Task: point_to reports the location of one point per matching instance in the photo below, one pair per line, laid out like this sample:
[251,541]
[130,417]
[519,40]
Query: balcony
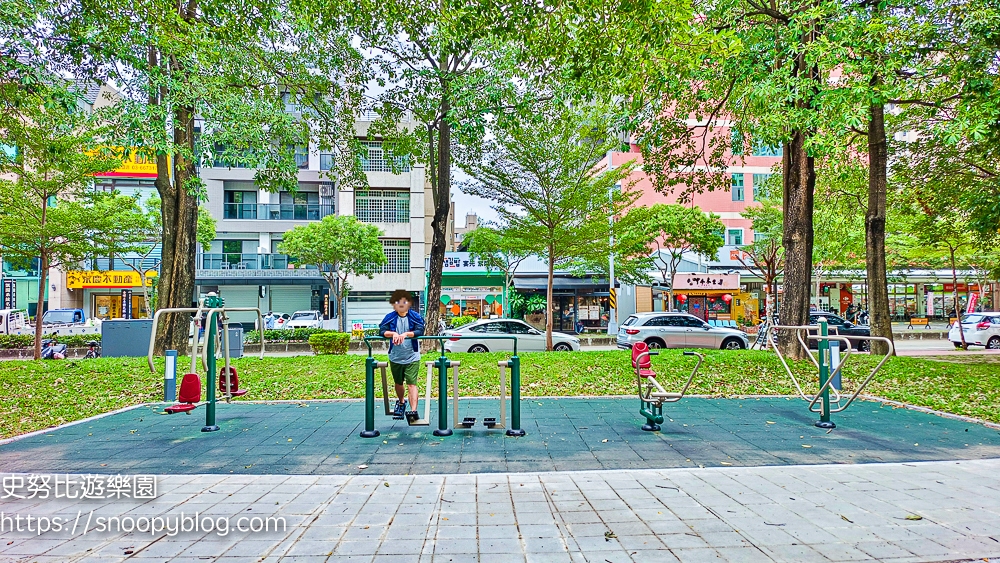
[242,268]
[277,211]
[237,261]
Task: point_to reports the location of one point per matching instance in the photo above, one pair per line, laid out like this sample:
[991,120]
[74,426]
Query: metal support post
[210,334]
[824,374]
[515,396]
[442,367]
[170,376]
[369,431]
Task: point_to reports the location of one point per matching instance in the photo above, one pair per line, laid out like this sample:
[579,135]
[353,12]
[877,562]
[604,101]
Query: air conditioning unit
[326,190]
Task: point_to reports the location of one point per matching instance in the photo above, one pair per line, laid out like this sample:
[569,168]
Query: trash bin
[236,342]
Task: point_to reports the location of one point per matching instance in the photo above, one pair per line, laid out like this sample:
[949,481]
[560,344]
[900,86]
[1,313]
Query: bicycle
[93,349]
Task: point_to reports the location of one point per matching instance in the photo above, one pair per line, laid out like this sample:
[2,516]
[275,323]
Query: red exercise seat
[234,382]
[189,395]
[642,365]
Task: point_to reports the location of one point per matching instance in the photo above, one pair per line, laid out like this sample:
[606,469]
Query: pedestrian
[402,326]
[269,321]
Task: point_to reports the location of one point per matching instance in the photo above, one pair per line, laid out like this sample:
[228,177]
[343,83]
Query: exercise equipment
[489,422]
[821,402]
[425,421]
[652,395]
[212,310]
[441,365]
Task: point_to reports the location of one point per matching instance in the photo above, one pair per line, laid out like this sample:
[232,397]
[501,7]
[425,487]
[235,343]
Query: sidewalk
[912,512]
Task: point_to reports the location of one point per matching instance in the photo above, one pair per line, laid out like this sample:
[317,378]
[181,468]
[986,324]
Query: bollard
[442,366]
[824,375]
[369,431]
[515,397]
[170,377]
[210,334]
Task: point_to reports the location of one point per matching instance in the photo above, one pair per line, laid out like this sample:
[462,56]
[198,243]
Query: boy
[403,325]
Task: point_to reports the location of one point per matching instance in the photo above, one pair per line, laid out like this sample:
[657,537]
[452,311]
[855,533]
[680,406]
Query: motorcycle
[52,350]
[93,349]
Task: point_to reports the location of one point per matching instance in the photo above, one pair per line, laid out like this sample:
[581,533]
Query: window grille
[382,206]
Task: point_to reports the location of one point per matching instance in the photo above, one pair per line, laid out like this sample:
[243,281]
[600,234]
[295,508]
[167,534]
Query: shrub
[329,342]
[11,341]
[16,341]
[283,335]
[462,321]
[371,332]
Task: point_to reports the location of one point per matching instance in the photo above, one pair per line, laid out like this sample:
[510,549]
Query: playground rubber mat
[321,437]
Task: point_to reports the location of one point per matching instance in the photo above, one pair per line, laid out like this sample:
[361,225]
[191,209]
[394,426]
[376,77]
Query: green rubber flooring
[321,437]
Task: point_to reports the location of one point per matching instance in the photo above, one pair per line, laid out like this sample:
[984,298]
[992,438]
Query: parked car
[529,339]
[304,319]
[981,329]
[678,330]
[841,327]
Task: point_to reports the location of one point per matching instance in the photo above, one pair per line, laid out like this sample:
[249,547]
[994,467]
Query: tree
[676,230]
[543,173]
[499,251]
[340,246]
[764,256]
[43,209]
[210,80]
[448,66]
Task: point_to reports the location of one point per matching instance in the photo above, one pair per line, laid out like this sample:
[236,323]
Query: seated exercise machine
[829,374]
[652,395]
[212,311]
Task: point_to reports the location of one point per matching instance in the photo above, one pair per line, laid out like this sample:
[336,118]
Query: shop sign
[469,293]
[961,287]
[708,282]
[462,261]
[137,164]
[357,328]
[76,279]
[9,294]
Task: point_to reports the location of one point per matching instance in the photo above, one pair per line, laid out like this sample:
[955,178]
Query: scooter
[52,350]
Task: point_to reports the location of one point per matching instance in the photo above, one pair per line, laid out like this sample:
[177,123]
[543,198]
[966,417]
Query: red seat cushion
[190,391]
[638,349]
[183,407]
[239,393]
[234,381]
[647,373]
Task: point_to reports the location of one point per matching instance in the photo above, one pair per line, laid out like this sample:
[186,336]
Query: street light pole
[613,298]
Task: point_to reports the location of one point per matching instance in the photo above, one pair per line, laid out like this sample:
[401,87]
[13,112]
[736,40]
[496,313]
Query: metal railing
[238,261]
[277,211]
[382,206]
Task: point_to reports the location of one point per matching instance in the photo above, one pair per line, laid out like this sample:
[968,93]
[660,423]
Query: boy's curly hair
[400,294]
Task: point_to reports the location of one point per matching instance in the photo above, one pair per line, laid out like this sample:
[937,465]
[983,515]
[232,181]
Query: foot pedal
[397,417]
[468,422]
[489,422]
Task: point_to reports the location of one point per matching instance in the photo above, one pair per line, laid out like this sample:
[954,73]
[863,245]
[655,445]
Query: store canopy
[586,282]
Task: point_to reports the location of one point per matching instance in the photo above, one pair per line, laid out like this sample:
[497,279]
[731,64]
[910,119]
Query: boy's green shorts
[407,372]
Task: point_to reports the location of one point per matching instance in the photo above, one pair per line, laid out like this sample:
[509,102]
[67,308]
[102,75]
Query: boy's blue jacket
[416,326]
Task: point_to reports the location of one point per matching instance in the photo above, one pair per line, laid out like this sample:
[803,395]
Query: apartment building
[245,266]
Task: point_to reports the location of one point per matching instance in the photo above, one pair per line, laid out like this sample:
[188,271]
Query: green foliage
[206,223]
[677,229]
[330,342]
[462,321]
[535,303]
[340,246]
[9,341]
[12,341]
[283,335]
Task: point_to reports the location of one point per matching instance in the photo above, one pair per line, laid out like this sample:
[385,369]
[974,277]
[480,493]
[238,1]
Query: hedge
[283,335]
[329,342]
[12,341]
[462,321]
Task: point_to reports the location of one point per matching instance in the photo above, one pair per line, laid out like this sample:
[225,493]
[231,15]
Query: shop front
[579,304]
[115,294]
[469,289]
[714,297]
[940,299]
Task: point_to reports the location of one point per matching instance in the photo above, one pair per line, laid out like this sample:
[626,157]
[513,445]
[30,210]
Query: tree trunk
[548,300]
[439,226]
[43,271]
[875,215]
[179,209]
[799,179]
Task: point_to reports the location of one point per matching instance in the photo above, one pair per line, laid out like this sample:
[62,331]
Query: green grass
[37,395]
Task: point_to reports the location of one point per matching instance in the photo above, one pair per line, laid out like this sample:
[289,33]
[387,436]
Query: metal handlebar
[368,340]
[156,320]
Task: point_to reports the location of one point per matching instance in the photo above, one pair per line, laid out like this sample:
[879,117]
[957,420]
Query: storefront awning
[561,283]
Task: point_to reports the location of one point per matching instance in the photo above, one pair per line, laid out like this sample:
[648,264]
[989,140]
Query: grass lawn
[38,395]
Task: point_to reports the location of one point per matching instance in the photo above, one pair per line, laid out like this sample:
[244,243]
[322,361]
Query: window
[326,161]
[382,206]
[375,161]
[239,205]
[758,182]
[761,149]
[737,187]
[734,237]
[691,322]
[496,328]
[517,328]
[397,255]
[301,155]
[663,321]
[757,237]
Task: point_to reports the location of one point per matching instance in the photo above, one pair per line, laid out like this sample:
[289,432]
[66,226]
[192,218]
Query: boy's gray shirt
[403,354]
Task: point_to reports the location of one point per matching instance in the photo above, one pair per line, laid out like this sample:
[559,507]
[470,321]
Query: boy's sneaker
[397,413]
[412,416]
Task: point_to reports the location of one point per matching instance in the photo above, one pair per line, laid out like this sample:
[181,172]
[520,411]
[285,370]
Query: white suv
[678,330]
[981,329]
[304,319]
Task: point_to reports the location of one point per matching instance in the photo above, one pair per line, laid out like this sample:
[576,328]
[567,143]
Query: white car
[304,319]
[529,339]
[981,329]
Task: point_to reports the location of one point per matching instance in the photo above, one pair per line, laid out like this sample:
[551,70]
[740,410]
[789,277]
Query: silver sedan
[529,339]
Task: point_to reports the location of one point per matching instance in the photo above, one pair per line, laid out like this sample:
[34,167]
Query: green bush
[371,332]
[462,321]
[283,335]
[11,341]
[329,342]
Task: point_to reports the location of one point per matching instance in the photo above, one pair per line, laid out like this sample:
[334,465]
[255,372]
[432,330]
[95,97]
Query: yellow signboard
[136,164]
[76,279]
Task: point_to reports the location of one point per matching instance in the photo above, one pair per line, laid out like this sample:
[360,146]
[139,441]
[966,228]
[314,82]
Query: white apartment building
[245,267]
